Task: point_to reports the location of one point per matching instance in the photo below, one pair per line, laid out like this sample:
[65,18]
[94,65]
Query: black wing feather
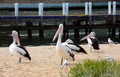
[95,43]
[81,49]
[27,54]
[72,55]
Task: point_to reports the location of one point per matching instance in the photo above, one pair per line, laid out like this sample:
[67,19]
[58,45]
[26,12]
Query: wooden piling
[40,30]
[76,35]
[114,24]
[109,32]
[113,32]
[90,23]
[29,24]
[65,31]
[119,32]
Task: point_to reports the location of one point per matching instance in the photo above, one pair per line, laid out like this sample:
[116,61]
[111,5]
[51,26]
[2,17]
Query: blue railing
[65,7]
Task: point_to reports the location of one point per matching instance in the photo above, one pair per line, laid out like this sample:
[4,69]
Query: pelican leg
[19,61]
[91,49]
[65,63]
[61,61]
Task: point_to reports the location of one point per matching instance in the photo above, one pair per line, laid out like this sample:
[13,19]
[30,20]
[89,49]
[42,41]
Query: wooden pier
[41,22]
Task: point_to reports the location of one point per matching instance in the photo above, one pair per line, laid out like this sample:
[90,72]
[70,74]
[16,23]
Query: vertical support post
[63,8]
[64,31]
[114,18]
[40,9]
[29,24]
[16,9]
[90,8]
[86,13]
[114,12]
[41,30]
[119,32]
[90,16]
[40,6]
[109,32]
[67,9]
[76,35]
[109,12]
[86,8]
[109,7]
[16,14]
[66,22]
[114,7]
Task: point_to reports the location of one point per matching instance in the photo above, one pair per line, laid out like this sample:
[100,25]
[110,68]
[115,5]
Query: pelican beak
[88,36]
[60,30]
[56,34]
[17,39]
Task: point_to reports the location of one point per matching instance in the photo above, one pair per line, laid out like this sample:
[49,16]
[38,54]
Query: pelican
[16,49]
[63,51]
[92,41]
[74,47]
[110,41]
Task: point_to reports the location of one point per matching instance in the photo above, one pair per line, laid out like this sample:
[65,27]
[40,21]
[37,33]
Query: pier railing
[88,7]
[73,15]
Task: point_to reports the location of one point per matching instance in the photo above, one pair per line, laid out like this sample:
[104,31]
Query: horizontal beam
[58,16]
[48,27]
[55,5]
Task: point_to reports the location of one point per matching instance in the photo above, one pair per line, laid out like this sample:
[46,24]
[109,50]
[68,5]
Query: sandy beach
[46,63]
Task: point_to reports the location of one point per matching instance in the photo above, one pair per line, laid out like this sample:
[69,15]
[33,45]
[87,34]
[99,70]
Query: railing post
[40,9]
[109,7]
[114,7]
[16,14]
[65,8]
[90,16]
[86,8]
[114,12]
[16,9]
[90,8]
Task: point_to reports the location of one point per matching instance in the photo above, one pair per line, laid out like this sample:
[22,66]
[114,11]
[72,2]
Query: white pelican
[16,49]
[92,41]
[110,41]
[63,51]
[74,47]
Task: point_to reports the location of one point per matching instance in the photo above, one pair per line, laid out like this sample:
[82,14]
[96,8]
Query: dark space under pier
[29,23]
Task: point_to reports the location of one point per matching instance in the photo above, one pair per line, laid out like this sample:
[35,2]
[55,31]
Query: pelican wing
[69,51]
[71,46]
[72,55]
[22,51]
[74,47]
[95,43]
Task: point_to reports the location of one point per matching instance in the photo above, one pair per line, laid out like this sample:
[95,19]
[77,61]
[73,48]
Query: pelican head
[59,31]
[15,36]
[92,34]
[109,39]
